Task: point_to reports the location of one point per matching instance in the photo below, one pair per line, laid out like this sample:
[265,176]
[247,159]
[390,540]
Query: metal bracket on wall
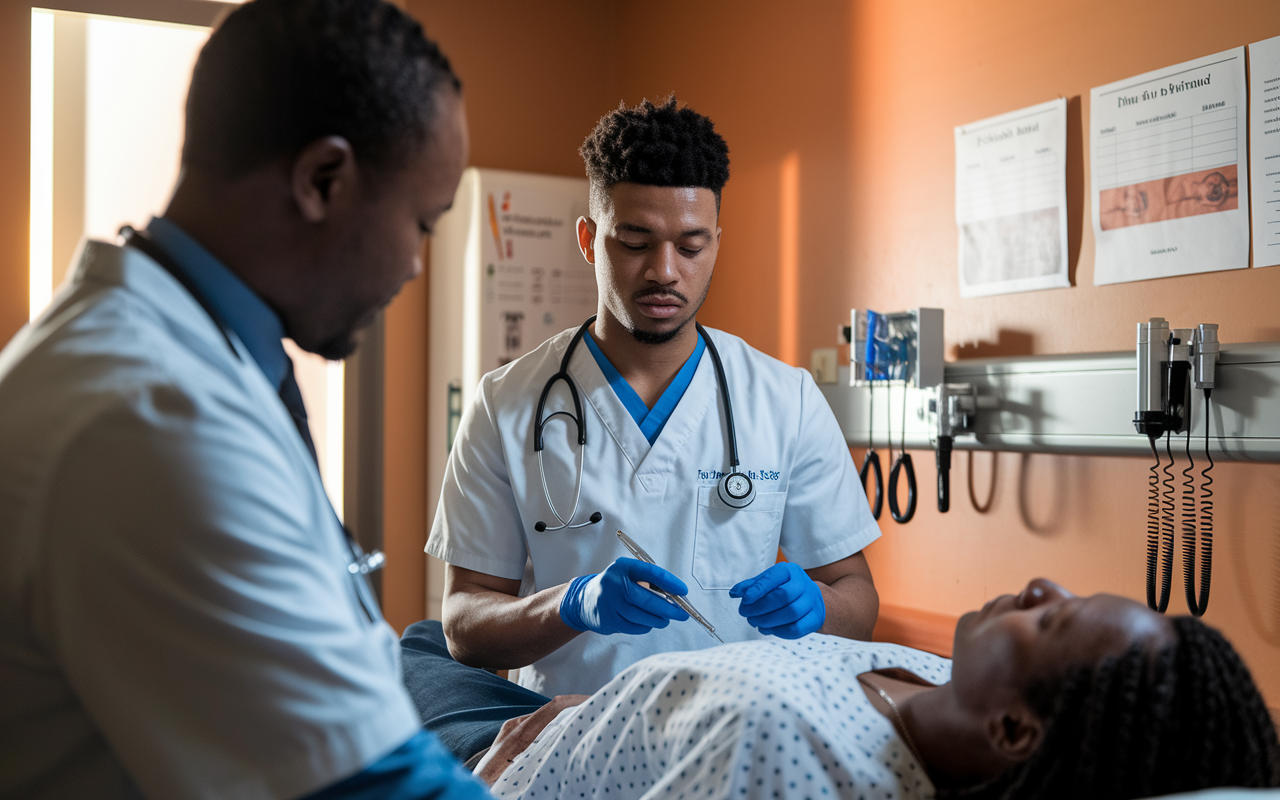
[1072,404]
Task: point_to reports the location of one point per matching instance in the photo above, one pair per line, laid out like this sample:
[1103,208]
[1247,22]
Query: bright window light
[321,383]
[131,165]
[335,377]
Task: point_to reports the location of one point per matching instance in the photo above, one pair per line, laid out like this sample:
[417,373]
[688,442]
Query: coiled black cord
[902,464]
[1189,523]
[871,461]
[1153,527]
[1194,605]
[1167,527]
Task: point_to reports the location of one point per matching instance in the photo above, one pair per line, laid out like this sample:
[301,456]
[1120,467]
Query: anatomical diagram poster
[1170,171]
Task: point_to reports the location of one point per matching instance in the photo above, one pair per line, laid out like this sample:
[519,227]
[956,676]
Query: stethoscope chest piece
[736,490]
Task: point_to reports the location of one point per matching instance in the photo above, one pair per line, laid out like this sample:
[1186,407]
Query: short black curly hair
[276,75]
[655,145]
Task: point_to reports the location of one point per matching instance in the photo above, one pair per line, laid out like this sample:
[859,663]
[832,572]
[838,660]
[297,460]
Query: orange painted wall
[404,456]
[849,107]
[536,76]
[777,79]
[15,164]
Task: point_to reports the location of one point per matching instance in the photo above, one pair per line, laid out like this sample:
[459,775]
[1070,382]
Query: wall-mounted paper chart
[1011,201]
[1264,143]
[1170,171]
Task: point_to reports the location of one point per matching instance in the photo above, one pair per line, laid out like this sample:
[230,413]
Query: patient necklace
[901,723]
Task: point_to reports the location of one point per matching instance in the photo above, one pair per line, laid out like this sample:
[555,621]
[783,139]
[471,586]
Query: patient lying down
[1049,695]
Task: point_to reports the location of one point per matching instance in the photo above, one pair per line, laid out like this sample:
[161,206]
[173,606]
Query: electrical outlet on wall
[822,363]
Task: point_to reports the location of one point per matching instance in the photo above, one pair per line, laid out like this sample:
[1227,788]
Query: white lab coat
[808,502]
[176,615]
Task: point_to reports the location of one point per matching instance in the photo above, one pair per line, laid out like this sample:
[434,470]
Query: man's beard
[341,345]
[649,337]
[336,348]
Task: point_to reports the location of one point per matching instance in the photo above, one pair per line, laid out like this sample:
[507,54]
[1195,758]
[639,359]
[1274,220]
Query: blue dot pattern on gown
[749,721]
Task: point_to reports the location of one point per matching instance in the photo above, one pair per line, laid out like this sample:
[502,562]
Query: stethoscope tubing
[580,424]
[577,495]
[563,375]
[724,393]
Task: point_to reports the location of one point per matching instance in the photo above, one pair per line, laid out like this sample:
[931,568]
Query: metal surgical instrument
[638,552]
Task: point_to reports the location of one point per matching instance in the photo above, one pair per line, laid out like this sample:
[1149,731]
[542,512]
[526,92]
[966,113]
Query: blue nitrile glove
[782,601]
[612,602]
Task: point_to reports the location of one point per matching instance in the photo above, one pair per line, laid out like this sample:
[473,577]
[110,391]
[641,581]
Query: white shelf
[1075,404]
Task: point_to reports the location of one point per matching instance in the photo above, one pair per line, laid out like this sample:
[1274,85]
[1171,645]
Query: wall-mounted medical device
[904,350]
[902,346]
[1224,400]
[885,349]
[955,411]
[1076,404]
[1169,362]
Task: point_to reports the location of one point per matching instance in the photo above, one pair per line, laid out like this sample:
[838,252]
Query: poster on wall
[1011,201]
[1170,171]
[1264,150]
[536,282]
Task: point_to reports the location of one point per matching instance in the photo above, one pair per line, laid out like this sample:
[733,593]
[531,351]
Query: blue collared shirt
[239,308]
[650,420]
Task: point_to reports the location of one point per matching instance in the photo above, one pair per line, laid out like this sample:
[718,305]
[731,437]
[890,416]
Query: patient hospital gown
[755,720]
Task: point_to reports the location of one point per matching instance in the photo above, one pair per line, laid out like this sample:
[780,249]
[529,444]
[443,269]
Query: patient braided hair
[655,145]
[1184,718]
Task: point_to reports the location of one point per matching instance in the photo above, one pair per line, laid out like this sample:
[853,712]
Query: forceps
[638,552]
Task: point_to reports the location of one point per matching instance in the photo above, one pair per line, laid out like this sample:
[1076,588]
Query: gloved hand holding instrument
[639,552]
[614,602]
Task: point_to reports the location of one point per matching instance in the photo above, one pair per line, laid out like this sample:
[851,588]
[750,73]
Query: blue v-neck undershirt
[650,420]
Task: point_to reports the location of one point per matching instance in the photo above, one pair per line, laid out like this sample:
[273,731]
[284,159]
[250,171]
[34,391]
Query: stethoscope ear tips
[542,526]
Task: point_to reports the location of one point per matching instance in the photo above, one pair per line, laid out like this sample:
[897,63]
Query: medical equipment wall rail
[1069,404]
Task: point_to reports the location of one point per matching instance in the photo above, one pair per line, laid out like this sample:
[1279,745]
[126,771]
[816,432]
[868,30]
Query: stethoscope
[735,488]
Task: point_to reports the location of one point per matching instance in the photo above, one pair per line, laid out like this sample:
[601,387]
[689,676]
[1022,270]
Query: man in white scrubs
[566,604]
[181,614]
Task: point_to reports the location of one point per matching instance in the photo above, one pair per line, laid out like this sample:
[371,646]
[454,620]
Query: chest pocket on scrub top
[733,544]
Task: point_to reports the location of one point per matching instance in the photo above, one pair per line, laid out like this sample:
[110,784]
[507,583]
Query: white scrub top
[808,500]
[176,615]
